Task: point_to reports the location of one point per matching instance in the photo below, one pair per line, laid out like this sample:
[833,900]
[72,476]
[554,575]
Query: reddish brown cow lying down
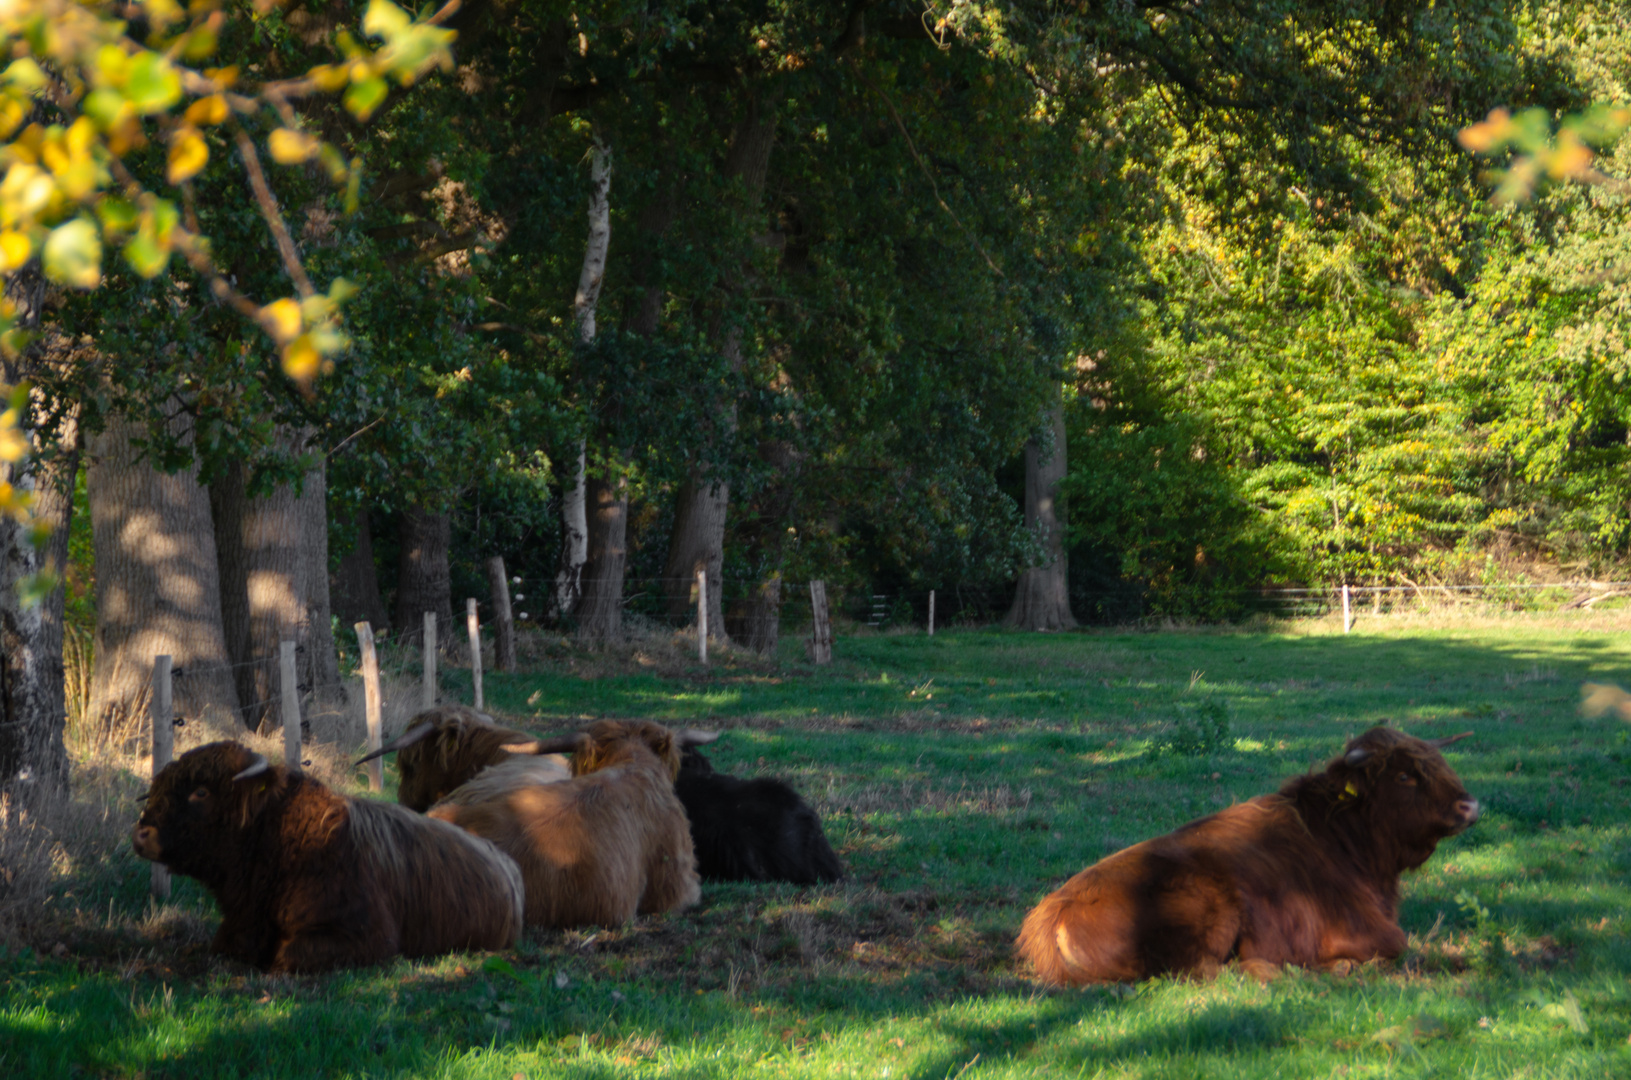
[1309,876]
[308,879]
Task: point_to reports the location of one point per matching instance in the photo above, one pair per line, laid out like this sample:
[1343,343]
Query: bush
[1204,732]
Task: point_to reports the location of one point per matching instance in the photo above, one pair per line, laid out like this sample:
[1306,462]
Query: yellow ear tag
[1350,789]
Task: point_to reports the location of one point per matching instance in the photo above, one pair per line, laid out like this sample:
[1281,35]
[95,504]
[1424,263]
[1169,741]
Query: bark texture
[1042,600]
[33,713]
[354,586]
[273,552]
[755,620]
[600,611]
[157,584]
[498,583]
[423,580]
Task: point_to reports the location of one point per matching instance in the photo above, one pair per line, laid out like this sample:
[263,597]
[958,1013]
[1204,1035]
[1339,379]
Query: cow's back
[1186,901]
[595,850]
[443,888]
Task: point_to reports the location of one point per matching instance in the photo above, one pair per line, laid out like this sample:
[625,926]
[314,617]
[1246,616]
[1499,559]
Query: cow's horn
[1439,744]
[1358,755]
[560,744]
[407,738]
[254,768]
[694,737]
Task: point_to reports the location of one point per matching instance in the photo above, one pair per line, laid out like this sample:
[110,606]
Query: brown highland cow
[609,843]
[309,880]
[1309,876]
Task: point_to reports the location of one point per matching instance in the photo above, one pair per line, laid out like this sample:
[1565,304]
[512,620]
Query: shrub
[1200,733]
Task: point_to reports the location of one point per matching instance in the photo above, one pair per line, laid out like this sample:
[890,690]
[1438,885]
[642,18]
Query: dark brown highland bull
[1309,876]
[308,879]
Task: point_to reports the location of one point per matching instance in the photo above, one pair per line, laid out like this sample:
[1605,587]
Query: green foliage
[1200,731]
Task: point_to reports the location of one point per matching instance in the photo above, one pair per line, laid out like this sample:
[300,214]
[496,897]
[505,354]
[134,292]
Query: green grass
[961,777]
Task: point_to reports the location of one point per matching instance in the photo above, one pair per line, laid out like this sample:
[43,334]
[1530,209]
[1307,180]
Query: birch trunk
[574,505]
[1042,600]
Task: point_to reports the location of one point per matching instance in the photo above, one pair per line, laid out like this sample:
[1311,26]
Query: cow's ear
[1359,755]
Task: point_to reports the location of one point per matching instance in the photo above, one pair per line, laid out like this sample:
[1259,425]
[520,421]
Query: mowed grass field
[961,777]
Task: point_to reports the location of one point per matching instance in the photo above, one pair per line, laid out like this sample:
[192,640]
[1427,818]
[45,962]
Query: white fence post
[820,628]
[289,695]
[1347,617]
[472,622]
[370,685]
[702,616]
[427,697]
[164,744]
[931,613]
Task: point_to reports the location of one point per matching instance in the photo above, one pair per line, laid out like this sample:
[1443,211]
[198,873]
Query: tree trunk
[1042,600]
[574,540]
[157,584]
[274,583]
[33,712]
[600,612]
[423,580]
[354,586]
[34,717]
[697,541]
[321,665]
[755,620]
[591,275]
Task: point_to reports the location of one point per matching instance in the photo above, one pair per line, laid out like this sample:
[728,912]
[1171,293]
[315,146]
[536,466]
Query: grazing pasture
[960,778]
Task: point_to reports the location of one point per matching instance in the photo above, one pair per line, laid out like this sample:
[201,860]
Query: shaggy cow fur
[601,847]
[752,830]
[442,748]
[309,880]
[1309,876]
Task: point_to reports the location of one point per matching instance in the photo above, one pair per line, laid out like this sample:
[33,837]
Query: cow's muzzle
[1466,811]
[145,839]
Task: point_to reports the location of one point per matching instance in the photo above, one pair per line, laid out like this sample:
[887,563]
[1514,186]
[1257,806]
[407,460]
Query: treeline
[1137,309]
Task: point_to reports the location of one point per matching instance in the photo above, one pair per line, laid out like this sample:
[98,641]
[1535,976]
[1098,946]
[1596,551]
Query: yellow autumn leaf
[1570,158]
[207,111]
[188,155]
[1487,134]
[292,147]
[301,360]
[13,444]
[15,248]
[282,319]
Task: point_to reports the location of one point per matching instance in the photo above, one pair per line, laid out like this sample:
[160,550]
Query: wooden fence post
[931,613]
[503,624]
[164,744]
[370,687]
[1347,618]
[427,696]
[289,695]
[820,629]
[702,616]
[472,623]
